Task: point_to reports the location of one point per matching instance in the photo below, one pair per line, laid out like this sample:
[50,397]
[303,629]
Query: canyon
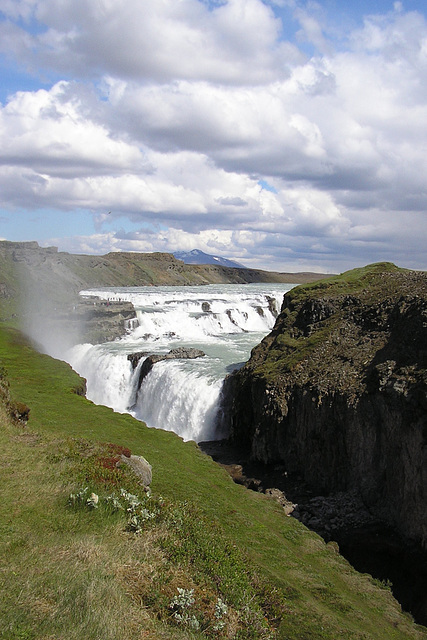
[337,392]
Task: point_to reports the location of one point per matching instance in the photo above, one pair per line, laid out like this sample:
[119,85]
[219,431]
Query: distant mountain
[199,257]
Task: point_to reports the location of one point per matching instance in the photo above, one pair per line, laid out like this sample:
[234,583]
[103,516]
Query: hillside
[56,275]
[71,570]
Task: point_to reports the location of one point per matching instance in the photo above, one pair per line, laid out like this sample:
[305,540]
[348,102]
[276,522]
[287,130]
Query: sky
[287,135]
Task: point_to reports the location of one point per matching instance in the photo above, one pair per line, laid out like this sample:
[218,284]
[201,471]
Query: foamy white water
[224,321]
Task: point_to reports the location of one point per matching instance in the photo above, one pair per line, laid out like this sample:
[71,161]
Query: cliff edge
[337,392]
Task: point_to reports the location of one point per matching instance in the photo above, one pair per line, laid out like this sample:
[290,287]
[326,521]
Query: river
[224,321]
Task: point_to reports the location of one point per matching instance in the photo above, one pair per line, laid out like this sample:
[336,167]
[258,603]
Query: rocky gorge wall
[338,392]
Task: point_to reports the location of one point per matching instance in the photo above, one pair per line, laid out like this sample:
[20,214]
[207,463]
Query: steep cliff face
[338,391]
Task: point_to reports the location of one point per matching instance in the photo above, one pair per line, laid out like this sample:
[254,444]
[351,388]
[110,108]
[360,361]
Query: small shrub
[80,499]
[382,584]
[109,463]
[117,450]
[114,503]
[20,411]
[139,511]
[221,610]
[181,606]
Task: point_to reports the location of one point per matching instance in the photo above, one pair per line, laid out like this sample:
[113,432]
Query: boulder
[140,467]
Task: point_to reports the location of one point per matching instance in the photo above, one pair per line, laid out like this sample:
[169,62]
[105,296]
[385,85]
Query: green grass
[283,349]
[289,352]
[370,276]
[72,572]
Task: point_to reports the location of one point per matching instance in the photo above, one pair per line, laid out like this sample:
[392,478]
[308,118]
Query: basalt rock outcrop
[337,392]
[102,321]
[180,353]
[85,320]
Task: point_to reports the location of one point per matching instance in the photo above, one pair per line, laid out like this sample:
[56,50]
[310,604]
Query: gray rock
[181,353]
[140,467]
[280,497]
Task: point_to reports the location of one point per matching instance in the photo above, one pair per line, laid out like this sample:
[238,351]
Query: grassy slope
[62,571]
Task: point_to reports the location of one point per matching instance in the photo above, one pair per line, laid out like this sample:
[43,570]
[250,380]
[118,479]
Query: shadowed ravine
[368,544]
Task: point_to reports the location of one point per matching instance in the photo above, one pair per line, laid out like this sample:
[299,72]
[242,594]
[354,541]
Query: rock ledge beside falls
[181,353]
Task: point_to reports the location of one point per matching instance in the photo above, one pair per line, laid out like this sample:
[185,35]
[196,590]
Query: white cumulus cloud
[241,127]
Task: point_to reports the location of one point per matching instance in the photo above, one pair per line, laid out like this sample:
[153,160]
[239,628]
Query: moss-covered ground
[294,343]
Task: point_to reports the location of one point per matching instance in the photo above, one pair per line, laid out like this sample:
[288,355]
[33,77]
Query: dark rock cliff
[338,392]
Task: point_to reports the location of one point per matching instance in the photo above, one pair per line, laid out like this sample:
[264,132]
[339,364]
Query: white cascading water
[224,321]
[173,397]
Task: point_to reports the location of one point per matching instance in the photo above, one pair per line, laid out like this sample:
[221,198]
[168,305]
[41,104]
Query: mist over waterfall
[180,395]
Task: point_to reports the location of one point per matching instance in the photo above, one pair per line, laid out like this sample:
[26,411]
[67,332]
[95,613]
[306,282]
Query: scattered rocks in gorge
[327,515]
[338,512]
[181,353]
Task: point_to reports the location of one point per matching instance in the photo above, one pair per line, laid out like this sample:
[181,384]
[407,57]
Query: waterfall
[131,324]
[178,398]
[108,374]
[224,321]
